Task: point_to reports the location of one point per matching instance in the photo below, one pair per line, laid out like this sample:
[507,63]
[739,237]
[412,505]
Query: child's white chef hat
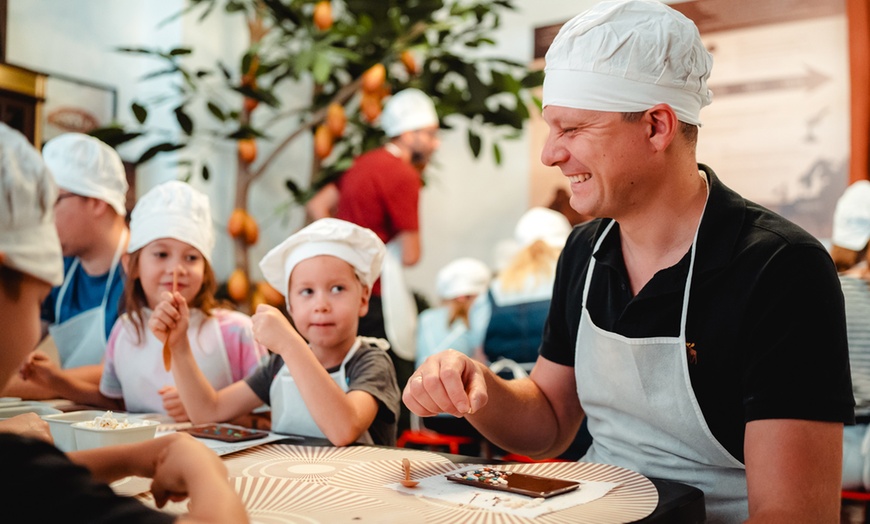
[28,238]
[462,277]
[408,110]
[83,165]
[541,223]
[172,210]
[627,56]
[358,246]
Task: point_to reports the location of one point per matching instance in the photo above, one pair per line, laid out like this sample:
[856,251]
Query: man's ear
[663,126]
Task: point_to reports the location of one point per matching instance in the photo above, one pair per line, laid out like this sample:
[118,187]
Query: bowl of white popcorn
[106,430]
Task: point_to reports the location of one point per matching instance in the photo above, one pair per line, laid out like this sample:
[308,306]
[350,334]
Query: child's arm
[201,401]
[180,466]
[67,383]
[342,417]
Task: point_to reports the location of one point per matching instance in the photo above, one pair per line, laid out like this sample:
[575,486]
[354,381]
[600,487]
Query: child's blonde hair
[538,260]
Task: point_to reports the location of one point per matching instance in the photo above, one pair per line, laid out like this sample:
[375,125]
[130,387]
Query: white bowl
[40,408]
[90,437]
[61,426]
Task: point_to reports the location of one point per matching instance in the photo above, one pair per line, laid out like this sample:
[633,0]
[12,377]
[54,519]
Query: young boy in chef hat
[336,385]
[30,264]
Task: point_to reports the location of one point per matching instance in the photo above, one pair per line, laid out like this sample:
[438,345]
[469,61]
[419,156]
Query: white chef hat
[172,210]
[852,217]
[28,238]
[463,276]
[627,56]
[83,165]
[358,246]
[541,223]
[408,110]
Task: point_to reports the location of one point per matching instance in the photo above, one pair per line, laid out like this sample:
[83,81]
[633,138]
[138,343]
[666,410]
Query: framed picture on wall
[75,105]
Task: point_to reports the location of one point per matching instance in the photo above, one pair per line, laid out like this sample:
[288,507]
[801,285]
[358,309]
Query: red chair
[863,497]
[514,457]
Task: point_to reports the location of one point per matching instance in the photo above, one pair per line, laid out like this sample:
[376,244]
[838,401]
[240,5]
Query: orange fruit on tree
[410,63]
[374,78]
[247,150]
[251,230]
[237,285]
[236,223]
[336,120]
[272,296]
[322,141]
[370,106]
[323,15]
[250,104]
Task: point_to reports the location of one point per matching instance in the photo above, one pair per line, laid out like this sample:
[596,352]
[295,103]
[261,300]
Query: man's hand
[447,382]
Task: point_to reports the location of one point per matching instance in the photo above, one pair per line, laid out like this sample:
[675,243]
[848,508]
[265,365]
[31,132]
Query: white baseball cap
[627,56]
[172,210]
[83,165]
[463,276]
[408,110]
[852,217]
[358,246]
[28,237]
[541,223]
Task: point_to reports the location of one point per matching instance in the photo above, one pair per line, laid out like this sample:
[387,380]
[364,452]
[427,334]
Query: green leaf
[152,151]
[178,51]
[184,120]
[496,153]
[533,79]
[139,112]
[260,94]
[322,68]
[113,136]
[216,111]
[205,173]
[161,72]
[475,143]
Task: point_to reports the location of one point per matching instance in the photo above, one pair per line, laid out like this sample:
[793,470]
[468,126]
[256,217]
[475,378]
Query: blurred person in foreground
[702,336]
[76,484]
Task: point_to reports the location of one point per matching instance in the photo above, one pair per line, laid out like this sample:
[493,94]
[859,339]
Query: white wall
[466,208]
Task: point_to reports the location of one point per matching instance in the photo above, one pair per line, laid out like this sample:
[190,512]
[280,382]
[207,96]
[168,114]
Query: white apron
[400,309]
[81,340]
[290,415]
[139,367]
[643,414]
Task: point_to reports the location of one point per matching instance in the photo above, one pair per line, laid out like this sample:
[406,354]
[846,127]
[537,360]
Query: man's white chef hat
[172,210]
[463,276]
[28,238]
[83,165]
[852,217]
[358,246]
[541,223]
[408,110]
[627,56]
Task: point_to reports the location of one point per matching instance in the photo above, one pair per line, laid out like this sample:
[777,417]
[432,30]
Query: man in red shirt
[381,191]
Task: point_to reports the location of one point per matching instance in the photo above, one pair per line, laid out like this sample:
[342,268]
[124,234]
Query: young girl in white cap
[181,467]
[336,385]
[169,257]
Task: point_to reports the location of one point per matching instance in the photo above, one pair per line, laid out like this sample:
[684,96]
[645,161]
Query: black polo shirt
[765,315]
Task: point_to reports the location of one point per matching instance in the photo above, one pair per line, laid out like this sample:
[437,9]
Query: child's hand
[171,317]
[40,369]
[172,404]
[272,329]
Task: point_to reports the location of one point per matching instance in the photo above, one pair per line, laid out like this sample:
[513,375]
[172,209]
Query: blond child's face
[19,323]
[159,259]
[326,300]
